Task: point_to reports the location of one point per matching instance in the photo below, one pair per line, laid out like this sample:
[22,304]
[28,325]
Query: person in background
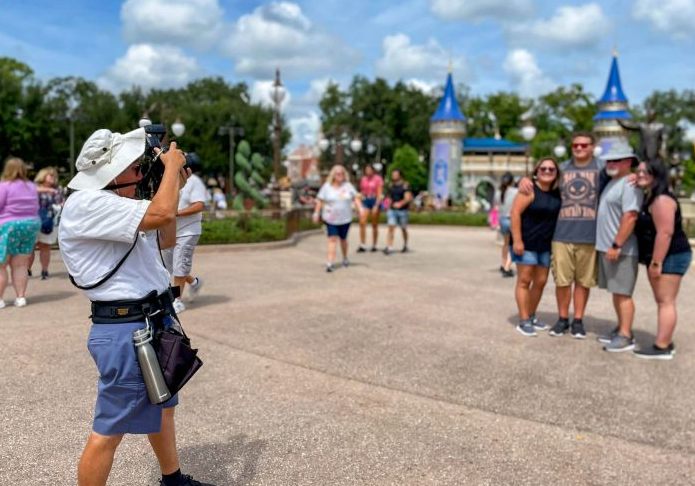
[399,195]
[50,202]
[371,189]
[664,249]
[507,193]
[616,245]
[533,220]
[189,227]
[19,227]
[334,204]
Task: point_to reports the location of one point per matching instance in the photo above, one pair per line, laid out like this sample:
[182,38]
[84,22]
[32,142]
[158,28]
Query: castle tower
[447,129]
[612,107]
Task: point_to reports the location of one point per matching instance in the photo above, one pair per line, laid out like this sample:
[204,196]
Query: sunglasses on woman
[547,170]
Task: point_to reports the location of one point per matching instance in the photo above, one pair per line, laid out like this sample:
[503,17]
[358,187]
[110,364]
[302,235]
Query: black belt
[124,311]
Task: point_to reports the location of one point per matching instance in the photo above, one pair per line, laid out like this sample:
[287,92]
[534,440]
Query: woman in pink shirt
[371,187]
[19,227]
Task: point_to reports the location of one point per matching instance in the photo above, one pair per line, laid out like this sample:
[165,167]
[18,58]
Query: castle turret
[447,130]
[612,107]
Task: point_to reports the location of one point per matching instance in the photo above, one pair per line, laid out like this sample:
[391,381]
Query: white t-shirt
[193,192]
[337,203]
[97,228]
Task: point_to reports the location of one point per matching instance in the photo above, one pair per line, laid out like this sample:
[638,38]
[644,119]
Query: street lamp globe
[560,151]
[355,167]
[178,128]
[528,132]
[356,145]
[378,166]
[144,121]
[324,144]
[598,150]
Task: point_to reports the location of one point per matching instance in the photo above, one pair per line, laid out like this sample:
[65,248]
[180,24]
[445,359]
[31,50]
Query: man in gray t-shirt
[617,246]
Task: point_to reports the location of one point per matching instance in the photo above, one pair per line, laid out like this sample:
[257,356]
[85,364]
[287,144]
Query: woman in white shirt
[334,203]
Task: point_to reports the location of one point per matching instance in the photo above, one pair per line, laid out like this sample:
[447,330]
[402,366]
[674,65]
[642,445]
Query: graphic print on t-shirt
[579,194]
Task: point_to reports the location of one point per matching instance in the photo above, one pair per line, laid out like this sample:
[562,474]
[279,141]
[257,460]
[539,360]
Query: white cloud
[673,17]
[570,27]
[401,60]
[184,23]
[475,10]
[150,67]
[525,75]
[427,87]
[280,35]
[304,128]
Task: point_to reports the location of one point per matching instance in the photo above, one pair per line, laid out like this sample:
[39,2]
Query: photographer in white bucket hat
[110,244]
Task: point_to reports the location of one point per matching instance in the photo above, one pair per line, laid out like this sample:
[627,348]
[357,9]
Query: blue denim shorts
[397,217]
[531,257]
[369,202]
[505,226]
[122,405]
[676,264]
[339,230]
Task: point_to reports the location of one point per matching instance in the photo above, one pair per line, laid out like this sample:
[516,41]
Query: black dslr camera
[152,167]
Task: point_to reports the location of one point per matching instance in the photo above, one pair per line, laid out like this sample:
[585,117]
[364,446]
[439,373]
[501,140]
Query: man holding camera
[110,244]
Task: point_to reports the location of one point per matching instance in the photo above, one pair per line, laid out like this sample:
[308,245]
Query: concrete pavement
[400,370]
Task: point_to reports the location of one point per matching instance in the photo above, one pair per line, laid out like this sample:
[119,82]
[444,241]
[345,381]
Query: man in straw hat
[109,242]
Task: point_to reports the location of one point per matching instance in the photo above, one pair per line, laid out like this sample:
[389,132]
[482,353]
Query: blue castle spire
[448,109]
[613,103]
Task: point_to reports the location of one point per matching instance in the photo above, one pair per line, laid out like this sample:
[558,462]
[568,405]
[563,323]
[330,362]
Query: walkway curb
[268,245]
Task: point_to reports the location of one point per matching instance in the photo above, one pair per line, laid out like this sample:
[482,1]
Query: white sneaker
[194,289]
[2,303]
[20,302]
[179,306]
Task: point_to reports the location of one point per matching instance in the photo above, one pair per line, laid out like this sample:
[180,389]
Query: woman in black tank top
[664,248]
[533,221]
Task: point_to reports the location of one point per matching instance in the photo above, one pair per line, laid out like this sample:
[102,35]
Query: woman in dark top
[533,221]
[664,249]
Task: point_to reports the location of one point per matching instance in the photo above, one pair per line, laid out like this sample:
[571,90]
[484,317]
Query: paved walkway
[400,370]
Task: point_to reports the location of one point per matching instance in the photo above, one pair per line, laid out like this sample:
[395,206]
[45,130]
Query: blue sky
[529,46]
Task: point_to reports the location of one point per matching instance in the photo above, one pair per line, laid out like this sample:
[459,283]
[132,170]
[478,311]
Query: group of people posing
[593,221]
[337,198]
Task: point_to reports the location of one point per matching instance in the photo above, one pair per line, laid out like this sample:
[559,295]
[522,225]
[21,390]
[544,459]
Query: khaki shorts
[574,263]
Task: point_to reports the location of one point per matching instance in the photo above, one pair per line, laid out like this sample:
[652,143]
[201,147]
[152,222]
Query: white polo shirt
[194,191]
[97,228]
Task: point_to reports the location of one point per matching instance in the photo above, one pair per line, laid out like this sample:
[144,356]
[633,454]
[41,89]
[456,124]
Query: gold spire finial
[615,50]
[451,66]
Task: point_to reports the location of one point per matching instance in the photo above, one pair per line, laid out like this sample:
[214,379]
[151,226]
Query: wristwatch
[616,246]
[654,264]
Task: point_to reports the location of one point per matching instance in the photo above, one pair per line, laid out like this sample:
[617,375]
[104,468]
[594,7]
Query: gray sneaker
[540,325]
[619,344]
[606,338]
[526,328]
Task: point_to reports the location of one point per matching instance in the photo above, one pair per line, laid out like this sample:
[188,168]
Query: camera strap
[108,275]
[113,187]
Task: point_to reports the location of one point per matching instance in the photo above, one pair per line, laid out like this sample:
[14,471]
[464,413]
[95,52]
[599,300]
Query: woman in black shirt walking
[664,249]
[533,221]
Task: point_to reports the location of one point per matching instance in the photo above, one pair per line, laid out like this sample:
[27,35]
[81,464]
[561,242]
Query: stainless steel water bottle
[157,389]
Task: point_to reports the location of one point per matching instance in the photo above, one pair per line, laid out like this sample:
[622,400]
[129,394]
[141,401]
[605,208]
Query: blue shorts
[676,264]
[540,258]
[505,226]
[122,404]
[369,202]
[397,217]
[340,230]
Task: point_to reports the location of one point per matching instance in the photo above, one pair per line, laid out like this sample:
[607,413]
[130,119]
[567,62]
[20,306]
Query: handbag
[177,359]
[47,220]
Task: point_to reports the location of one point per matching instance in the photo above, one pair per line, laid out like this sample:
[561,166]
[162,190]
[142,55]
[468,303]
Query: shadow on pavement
[207,299]
[41,298]
[224,464]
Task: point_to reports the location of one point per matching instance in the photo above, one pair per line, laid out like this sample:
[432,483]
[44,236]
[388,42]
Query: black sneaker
[29,273]
[405,249]
[578,331]
[361,249]
[560,328]
[655,352]
[507,273]
[189,481]
[329,267]
[44,275]
[374,249]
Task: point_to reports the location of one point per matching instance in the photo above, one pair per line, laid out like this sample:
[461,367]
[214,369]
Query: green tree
[407,160]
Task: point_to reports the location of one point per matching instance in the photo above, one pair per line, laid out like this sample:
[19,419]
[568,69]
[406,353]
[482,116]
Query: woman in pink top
[19,227]
[371,187]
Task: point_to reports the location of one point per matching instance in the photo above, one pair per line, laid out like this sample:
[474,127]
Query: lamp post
[528,131]
[277,95]
[231,129]
[343,139]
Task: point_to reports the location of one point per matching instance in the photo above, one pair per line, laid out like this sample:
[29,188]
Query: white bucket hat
[621,150]
[104,156]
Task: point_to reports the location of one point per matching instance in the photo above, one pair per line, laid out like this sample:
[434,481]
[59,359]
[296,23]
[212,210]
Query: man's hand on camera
[172,156]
